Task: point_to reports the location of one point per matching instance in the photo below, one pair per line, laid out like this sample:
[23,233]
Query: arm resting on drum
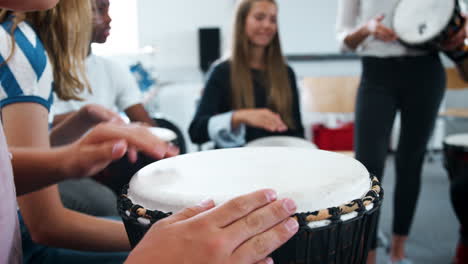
[223,134]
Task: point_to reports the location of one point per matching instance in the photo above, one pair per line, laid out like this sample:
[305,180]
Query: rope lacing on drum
[374,195]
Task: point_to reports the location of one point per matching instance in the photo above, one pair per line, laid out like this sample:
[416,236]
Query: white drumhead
[281,141]
[163,133]
[457,140]
[418,21]
[315,179]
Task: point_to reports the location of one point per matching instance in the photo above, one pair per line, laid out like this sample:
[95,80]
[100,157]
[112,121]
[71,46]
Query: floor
[435,229]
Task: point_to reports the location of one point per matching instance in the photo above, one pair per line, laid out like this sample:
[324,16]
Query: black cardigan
[216,100]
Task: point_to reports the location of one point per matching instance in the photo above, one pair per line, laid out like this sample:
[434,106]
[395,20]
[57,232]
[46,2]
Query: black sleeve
[299,131]
[213,102]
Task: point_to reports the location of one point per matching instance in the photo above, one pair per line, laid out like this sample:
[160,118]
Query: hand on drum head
[261,118]
[244,230]
[457,41]
[108,142]
[379,31]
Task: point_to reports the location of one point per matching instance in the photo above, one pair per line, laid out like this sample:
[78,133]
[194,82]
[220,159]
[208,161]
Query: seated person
[34,159]
[114,88]
[112,85]
[253,93]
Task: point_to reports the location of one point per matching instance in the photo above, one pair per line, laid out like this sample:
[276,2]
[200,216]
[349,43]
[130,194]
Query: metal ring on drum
[281,141]
[337,199]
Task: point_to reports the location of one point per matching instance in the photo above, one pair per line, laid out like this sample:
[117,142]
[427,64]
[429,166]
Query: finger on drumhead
[190,212]
[241,206]
[262,245]
[260,220]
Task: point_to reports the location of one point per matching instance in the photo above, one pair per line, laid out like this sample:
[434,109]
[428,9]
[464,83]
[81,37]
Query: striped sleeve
[26,74]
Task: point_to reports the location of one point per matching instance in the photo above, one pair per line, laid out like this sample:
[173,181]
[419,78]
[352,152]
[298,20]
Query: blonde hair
[65,31]
[279,92]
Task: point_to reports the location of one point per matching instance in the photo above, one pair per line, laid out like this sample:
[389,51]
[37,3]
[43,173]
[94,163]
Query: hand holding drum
[380,31]
[243,230]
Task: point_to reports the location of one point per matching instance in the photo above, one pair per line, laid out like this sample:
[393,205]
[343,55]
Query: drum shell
[339,242]
[456,160]
[455,24]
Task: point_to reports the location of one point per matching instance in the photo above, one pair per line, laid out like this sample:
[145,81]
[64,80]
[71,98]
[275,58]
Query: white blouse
[354,13]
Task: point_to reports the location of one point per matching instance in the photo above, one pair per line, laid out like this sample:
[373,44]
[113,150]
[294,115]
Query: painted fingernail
[271,195]
[269,261]
[289,205]
[206,203]
[118,147]
[292,225]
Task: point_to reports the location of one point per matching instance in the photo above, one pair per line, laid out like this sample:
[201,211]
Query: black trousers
[414,86]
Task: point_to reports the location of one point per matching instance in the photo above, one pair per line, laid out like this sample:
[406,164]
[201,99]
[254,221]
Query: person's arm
[244,230]
[214,101]
[25,125]
[69,127]
[137,113]
[59,118]
[36,168]
[350,34]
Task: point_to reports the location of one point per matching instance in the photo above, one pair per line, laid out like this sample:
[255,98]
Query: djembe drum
[336,197]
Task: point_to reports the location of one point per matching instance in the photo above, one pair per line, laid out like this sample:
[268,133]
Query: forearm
[237,119]
[356,37]
[50,224]
[137,113]
[89,233]
[35,169]
[70,128]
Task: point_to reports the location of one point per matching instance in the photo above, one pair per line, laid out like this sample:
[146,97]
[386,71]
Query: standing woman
[394,78]
[253,93]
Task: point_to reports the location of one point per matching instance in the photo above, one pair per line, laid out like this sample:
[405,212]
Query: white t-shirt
[113,86]
[354,13]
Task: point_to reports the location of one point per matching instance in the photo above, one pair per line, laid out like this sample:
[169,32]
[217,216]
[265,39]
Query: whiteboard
[308,26]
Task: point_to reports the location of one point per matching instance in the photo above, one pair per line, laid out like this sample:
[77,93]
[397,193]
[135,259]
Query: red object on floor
[340,138]
[462,254]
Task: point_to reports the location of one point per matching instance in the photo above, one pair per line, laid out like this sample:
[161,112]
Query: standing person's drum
[456,155]
[336,197]
[281,141]
[427,24]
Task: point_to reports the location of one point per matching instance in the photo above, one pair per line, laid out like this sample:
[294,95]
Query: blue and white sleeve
[220,131]
[27,76]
